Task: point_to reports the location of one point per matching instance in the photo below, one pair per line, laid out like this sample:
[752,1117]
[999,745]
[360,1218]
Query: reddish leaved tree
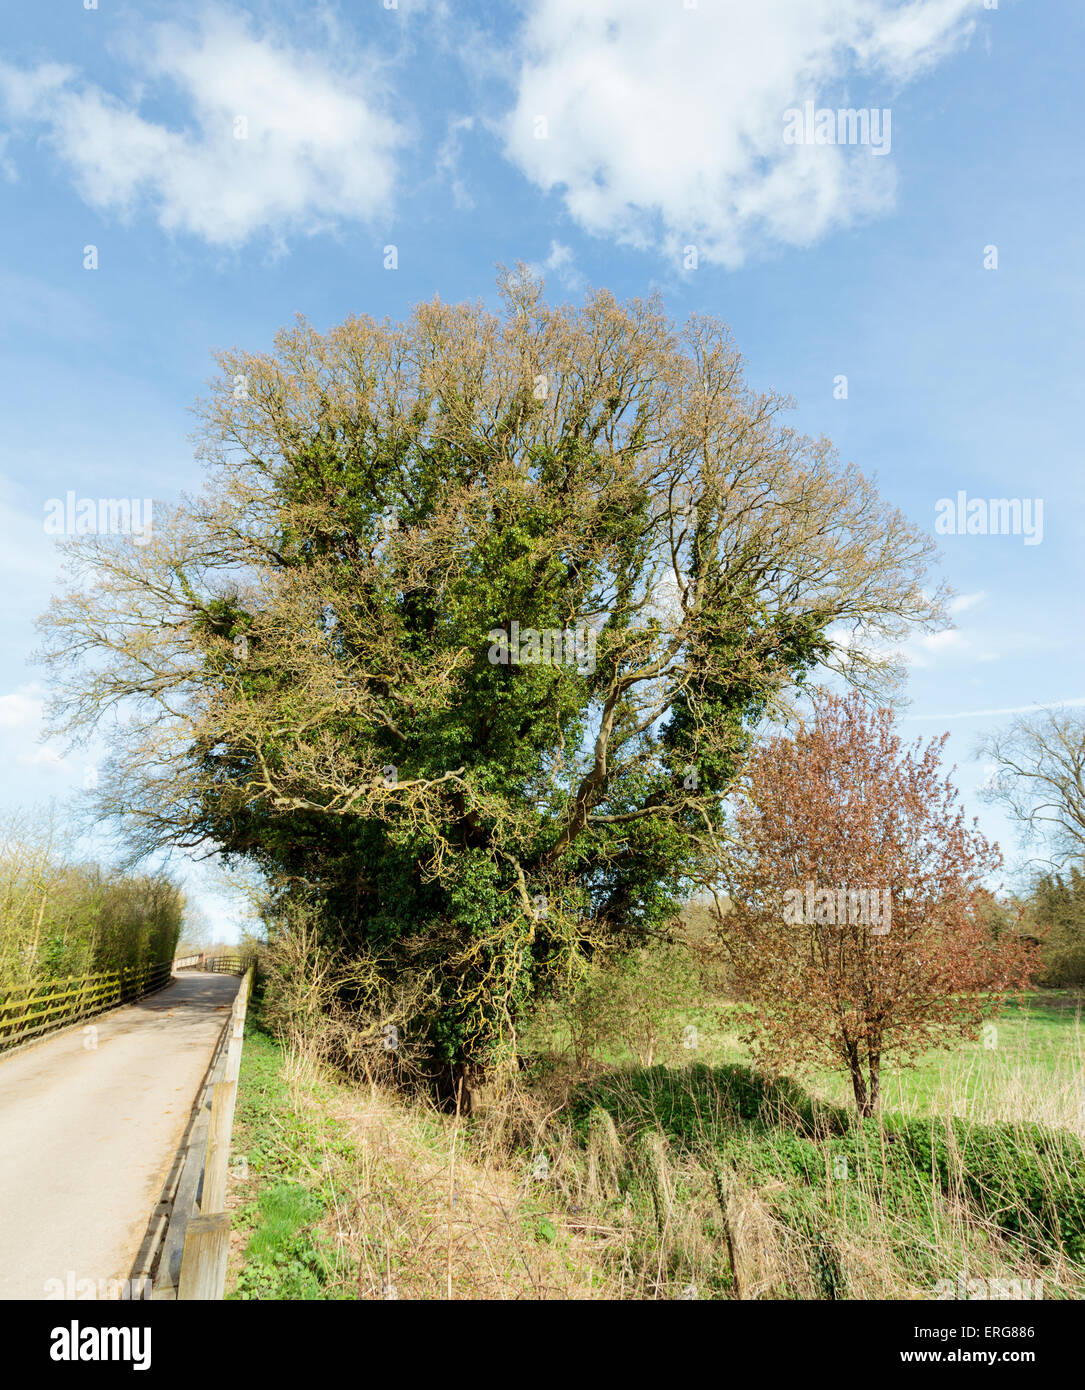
[856,926]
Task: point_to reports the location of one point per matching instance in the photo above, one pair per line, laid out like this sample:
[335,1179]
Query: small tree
[640,998]
[855,926]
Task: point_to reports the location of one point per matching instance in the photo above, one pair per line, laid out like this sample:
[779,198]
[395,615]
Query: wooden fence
[225,963]
[191,1263]
[27,1011]
[233,963]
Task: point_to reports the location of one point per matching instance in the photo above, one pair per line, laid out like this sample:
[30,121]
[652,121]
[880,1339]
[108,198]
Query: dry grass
[419,1212]
[517,1201]
[511,1203]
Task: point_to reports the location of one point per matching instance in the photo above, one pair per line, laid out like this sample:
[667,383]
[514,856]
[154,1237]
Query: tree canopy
[468,629]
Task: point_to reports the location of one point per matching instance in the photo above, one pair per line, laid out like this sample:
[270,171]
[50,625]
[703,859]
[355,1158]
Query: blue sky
[416,125]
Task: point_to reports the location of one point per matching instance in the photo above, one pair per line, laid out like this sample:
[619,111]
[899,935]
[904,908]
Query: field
[1028,1065]
[691,1178]
[1032,1067]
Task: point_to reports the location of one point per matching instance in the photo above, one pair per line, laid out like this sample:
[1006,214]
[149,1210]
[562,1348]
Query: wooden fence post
[223,1097]
[233,1055]
[237,1035]
[203,1263]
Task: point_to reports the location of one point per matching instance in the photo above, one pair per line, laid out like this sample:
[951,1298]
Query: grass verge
[692,1181]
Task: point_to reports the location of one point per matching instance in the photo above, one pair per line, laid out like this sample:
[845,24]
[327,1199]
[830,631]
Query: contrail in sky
[989,713]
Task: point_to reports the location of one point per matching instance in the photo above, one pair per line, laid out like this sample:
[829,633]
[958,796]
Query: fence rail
[27,1011]
[225,963]
[231,964]
[191,1260]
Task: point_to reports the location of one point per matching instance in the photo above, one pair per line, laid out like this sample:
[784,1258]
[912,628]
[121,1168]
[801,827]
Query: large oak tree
[298,667]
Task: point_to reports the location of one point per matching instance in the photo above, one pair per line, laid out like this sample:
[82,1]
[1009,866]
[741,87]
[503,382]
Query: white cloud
[963,602]
[940,641]
[664,125]
[560,262]
[924,650]
[319,143]
[448,160]
[46,757]
[22,709]
[21,714]
[7,166]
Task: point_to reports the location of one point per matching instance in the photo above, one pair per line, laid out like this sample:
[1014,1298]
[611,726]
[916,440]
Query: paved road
[88,1135]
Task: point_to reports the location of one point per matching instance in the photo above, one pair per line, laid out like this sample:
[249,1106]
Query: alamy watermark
[570,646]
[76,1343]
[873,126]
[868,907]
[72,1287]
[996,516]
[977,1288]
[104,516]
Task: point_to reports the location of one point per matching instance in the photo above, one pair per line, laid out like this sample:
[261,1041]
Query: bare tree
[1040,779]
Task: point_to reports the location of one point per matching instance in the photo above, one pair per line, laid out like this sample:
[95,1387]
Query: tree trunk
[452,1083]
[874,1070]
[858,1081]
[37,932]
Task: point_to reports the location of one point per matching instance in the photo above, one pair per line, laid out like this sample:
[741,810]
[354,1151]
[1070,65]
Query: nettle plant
[299,663]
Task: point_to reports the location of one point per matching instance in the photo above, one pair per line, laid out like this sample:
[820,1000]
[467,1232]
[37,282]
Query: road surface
[90,1122]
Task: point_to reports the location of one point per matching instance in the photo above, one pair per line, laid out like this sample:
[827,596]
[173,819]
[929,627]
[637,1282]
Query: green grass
[286,1256]
[697,1175]
[975,1166]
[1038,1037]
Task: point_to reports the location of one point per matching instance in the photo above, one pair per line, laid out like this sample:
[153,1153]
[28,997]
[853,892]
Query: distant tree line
[1038,778]
[1054,912]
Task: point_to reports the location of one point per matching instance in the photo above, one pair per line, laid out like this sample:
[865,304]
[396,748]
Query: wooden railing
[225,963]
[195,1242]
[230,963]
[28,1011]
